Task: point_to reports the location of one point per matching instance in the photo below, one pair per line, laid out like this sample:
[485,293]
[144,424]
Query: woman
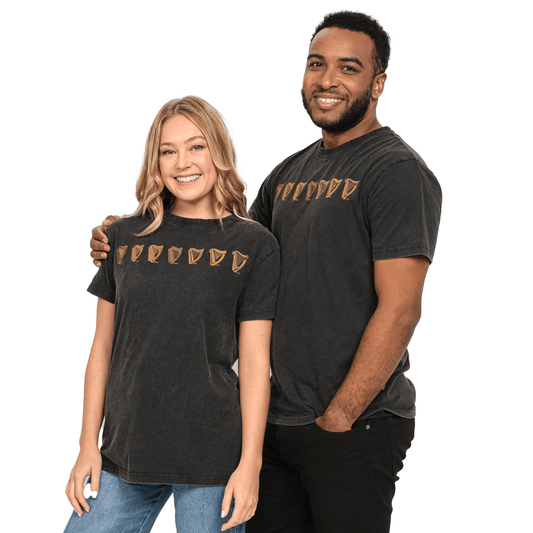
[190,275]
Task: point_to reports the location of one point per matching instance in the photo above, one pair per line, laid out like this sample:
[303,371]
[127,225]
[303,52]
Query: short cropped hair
[355,21]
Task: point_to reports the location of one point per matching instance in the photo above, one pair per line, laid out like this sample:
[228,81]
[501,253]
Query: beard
[352,116]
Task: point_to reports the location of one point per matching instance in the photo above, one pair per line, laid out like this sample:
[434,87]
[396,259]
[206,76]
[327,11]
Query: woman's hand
[89,463]
[243,487]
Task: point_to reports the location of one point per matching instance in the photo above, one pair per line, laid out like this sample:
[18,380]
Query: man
[356,215]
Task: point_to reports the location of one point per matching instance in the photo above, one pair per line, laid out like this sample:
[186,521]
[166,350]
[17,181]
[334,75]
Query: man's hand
[99,241]
[335,421]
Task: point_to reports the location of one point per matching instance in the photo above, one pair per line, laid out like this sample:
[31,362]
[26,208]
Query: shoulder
[392,158]
[293,160]
[253,232]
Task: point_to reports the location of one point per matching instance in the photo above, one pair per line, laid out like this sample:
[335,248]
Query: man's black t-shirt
[172,412]
[334,212]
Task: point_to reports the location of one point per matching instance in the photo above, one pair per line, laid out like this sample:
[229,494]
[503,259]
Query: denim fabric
[133,508]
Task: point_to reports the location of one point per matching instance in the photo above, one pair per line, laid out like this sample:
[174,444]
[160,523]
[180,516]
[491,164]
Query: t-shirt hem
[403,251]
[96,291]
[302,421]
[265,314]
[282,421]
[163,479]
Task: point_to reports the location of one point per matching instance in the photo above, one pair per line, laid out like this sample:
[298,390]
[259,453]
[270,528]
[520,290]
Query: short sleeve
[103,284]
[261,209]
[257,300]
[403,210]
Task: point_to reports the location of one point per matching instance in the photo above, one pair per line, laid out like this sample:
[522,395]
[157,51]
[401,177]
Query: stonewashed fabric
[334,212]
[172,413]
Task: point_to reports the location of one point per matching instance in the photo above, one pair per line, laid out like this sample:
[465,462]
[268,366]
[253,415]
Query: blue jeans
[133,508]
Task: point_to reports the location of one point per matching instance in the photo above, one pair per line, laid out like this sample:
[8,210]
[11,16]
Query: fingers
[74,493]
[95,481]
[226,501]
[243,511]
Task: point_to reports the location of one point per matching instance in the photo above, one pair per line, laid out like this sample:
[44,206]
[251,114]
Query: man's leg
[350,477]
[121,507]
[283,503]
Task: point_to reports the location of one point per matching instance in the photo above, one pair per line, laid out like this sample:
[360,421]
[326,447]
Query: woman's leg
[198,509]
[121,507]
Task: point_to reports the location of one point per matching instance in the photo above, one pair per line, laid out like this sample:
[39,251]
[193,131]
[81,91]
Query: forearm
[96,376]
[382,346]
[254,384]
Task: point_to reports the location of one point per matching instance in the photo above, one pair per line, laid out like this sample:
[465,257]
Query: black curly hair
[354,21]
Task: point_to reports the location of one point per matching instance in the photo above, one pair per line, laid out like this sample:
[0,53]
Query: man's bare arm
[99,241]
[399,284]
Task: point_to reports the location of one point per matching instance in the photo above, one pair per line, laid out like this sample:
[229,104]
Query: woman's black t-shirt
[172,412]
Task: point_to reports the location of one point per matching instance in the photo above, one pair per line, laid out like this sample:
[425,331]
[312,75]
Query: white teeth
[187,178]
[329,100]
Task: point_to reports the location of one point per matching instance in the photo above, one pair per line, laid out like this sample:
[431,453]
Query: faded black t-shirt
[335,212]
[172,412]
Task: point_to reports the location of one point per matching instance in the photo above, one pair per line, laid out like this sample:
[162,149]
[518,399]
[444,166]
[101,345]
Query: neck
[368,124]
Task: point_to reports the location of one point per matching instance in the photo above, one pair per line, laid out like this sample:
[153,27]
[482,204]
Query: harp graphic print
[154,252]
[311,187]
[239,260]
[298,190]
[278,190]
[287,190]
[194,255]
[321,188]
[174,254]
[121,252]
[136,251]
[333,186]
[349,188]
[216,256]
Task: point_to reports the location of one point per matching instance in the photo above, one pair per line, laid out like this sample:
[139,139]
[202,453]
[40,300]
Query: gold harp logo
[287,190]
[136,251]
[333,186]
[349,188]
[311,188]
[121,252]
[154,252]
[278,190]
[298,190]
[216,256]
[321,188]
[194,255]
[174,254]
[239,260]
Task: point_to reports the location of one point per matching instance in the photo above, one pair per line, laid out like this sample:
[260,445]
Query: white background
[82,82]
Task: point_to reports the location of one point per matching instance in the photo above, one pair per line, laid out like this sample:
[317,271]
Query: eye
[315,64]
[167,152]
[349,69]
[197,147]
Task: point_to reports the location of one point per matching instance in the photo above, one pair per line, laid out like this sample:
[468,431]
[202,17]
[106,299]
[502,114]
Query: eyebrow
[190,139]
[350,59]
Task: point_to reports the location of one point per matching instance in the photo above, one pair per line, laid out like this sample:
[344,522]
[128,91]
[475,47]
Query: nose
[328,80]
[182,160]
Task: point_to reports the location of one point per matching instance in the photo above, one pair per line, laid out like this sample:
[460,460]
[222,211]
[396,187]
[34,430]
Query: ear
[378,85]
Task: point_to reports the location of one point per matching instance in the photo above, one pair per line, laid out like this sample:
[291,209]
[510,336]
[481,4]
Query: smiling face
[187,169]
[339,89]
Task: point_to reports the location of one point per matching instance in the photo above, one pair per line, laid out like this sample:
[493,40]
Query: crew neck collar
[184,221]
[350,145]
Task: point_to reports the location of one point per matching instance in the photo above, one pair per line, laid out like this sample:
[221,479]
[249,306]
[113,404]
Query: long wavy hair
[151,192]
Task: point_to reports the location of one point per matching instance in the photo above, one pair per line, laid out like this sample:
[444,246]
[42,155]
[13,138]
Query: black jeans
[314,481]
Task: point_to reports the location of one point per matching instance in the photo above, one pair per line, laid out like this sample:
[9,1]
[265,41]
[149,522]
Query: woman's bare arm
[89,462]
[254,383]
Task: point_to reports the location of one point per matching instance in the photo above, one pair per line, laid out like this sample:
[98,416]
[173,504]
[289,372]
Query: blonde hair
[150,191]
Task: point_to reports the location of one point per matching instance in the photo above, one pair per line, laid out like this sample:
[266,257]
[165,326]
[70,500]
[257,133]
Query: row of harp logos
[174,253]
[324,188]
